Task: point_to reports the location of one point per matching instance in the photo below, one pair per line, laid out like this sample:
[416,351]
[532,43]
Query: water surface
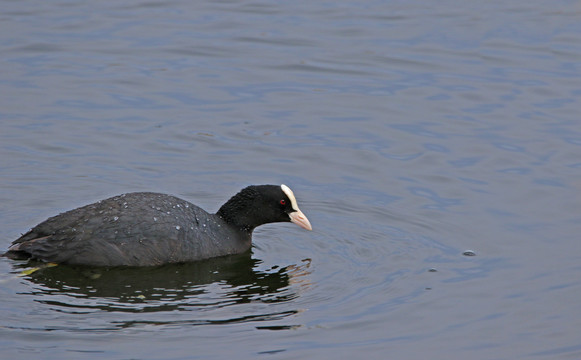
[411,132]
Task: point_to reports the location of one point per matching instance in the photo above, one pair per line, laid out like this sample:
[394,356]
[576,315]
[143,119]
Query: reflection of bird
[208,285]
[142,229]
[297,273]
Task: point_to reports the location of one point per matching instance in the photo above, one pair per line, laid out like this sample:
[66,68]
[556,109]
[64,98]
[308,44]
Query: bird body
[144,229]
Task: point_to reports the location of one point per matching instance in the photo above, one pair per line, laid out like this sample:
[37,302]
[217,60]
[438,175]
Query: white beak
[300,219]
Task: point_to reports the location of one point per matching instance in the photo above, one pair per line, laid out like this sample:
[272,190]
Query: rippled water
[412,133]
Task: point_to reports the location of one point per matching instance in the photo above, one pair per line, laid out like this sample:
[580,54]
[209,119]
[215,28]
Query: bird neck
[238,211]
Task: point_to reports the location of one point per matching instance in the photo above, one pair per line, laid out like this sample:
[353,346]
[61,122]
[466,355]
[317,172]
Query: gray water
[411,132]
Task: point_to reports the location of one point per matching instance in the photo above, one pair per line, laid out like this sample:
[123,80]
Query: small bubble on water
[178,227]
[469,253]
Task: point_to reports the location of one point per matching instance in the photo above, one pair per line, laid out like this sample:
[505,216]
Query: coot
[144,229]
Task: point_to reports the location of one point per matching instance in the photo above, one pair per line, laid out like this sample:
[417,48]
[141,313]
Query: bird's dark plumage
[143,229]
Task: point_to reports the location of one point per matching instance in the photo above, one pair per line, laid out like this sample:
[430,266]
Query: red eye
[282,202]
